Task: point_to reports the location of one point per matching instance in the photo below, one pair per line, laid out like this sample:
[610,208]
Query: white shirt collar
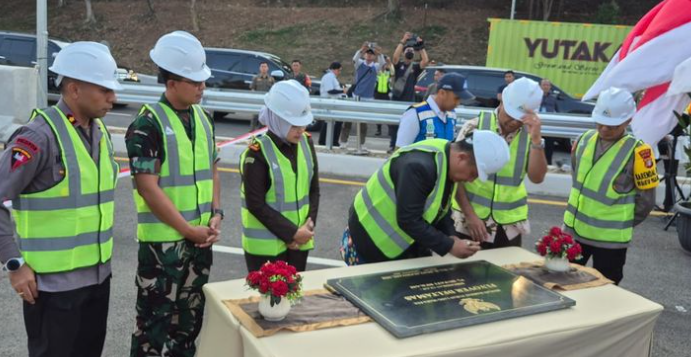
[435,108]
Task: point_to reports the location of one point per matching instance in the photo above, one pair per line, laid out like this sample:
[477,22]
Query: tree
[193,12]
[90,18]
[534,8]
[393,10]
[546,9]
[150,4]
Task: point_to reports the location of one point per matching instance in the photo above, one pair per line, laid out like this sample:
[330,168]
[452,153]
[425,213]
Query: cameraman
[407,72]
[363,88]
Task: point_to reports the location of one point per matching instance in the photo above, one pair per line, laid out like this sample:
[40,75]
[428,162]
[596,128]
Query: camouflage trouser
[170,301]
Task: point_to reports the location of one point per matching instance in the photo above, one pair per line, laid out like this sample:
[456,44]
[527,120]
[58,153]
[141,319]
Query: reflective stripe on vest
[595,211]
[186,174]
[70,225]
[431,126]
[503,196]
[288,194]
[375,204]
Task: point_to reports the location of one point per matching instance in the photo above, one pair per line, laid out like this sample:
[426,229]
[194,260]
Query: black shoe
[378,133]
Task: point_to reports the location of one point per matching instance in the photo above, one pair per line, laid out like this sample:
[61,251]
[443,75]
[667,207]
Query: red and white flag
[658,43]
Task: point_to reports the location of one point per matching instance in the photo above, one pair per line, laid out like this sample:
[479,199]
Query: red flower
[555,231]
[253,278]
[279,288]
[542,249]
[555,247]
[568,239]
[264,286]
[572,253]
[547,239]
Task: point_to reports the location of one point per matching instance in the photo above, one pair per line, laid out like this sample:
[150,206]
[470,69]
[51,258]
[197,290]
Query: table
[606,321]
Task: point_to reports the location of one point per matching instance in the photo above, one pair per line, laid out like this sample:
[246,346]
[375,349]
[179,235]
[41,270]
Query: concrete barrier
[18,97]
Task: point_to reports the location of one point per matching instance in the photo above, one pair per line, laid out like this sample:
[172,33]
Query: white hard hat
[181,53]
[88,62]
[491,152]
[521,95]
[614,106]
[290,101]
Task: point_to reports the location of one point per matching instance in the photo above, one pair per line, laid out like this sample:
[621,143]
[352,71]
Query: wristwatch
[538,147]
[219,212]
[13,264]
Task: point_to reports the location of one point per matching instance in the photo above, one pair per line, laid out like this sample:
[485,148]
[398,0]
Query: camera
[413,42]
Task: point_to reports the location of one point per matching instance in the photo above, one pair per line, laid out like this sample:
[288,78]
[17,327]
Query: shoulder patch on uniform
[249,160]
[71,119]
[20,157]
[644,170]
[28,144]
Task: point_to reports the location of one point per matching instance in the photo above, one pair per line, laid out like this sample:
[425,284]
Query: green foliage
[431,33]
[608,13]
[286,35]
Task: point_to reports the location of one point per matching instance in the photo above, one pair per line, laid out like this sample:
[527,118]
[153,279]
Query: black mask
[409,55]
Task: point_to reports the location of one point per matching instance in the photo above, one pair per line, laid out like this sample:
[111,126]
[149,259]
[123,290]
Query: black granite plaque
[417,301]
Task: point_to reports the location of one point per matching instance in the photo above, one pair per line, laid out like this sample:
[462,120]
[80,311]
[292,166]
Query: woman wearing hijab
[280,185]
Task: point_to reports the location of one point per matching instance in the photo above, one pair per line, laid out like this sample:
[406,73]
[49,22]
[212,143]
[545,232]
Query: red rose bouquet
[276,280]
[558,244]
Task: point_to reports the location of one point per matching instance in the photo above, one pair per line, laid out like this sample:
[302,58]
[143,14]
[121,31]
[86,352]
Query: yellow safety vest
[595,211]
[186,174]
[503,196]
[375,204]
[70,225]
[288,194]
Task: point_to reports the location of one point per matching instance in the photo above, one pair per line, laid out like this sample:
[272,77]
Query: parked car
[19,49]
[483,83]
[234,69]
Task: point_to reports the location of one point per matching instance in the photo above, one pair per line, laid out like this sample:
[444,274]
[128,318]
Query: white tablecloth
[606,321]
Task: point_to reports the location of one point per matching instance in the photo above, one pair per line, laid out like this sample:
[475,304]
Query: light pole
[513,8]
[42,51]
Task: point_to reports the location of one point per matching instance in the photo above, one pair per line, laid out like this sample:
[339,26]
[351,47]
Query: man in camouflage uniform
[173,160]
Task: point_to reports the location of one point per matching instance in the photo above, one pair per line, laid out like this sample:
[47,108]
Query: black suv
[483,82]
[234,69]
[19,49]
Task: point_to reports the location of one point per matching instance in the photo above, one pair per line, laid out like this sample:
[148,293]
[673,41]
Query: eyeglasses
[192,83]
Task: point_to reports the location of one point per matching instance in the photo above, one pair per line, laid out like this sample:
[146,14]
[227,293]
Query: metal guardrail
[346,110]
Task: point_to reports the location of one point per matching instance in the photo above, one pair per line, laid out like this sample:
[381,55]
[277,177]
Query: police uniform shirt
[409,126]
[32,162]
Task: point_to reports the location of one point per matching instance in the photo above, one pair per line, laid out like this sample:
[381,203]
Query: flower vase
[277,312]
[557,264]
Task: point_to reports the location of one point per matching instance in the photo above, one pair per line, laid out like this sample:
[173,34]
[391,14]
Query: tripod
[671,184]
